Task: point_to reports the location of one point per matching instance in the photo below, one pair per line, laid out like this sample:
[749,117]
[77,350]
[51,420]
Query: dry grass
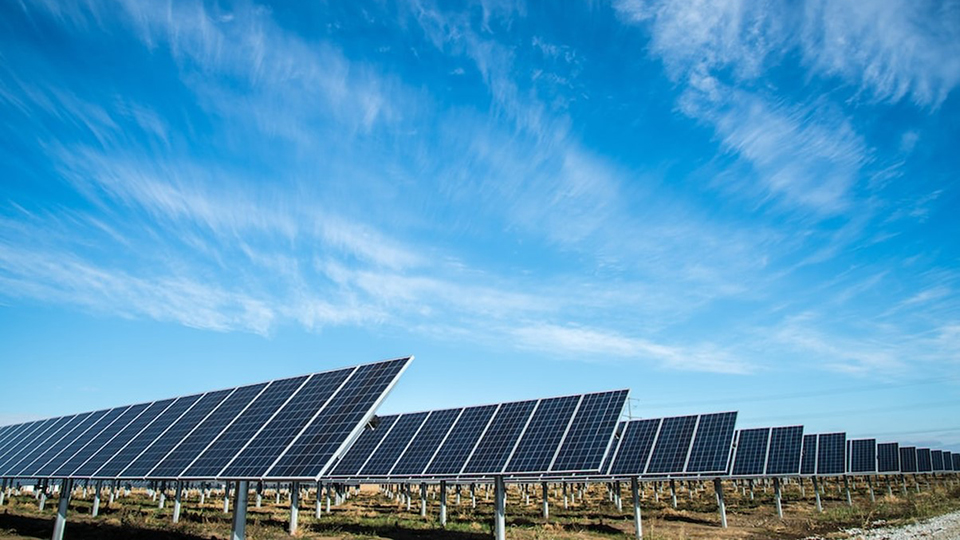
[371,515]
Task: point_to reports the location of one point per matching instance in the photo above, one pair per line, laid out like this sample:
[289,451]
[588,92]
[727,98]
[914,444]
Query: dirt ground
[371,514]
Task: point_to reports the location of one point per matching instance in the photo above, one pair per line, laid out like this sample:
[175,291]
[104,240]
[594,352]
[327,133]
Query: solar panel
[888,458]
[455,450]
[500,438]
[393,445]
[783,456]
[908,459]
[418,453]
[334,427]
[673,444]
[307,420]
[634,448]
[936,459]
[808,461]
[947,461]
[924,460]
[751,454]
[539,442]
[254,460]
[863,456]
[363,448]
[590,433]
[608,459]
[831,454]
[711,444]
[123,438]
[956,461]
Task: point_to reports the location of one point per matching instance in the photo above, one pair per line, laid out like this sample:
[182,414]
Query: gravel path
[945,527]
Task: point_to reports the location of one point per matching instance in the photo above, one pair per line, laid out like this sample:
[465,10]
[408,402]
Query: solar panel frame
[908,459]
[586,441]
[461,440]
[635,447]
[784,452]
[538,444]
[710,449]
[862,456]
[956,461]
[831,454]
[808,457]
[936,460]
[947,461]
[888,458]
[672,447]
[492,451]
[924,460]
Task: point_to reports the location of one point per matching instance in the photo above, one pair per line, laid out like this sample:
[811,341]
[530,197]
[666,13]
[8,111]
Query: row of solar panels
[284,429]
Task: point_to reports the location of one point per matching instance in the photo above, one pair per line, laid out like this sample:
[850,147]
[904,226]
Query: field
[371,514]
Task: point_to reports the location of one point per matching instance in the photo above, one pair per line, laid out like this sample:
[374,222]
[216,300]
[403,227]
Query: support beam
[95,511]
[846,488]
[238,529]
[500,521]
[259,494]
[546,500]
[60,524]
[423,500]
[637,521]
[616,496]
[443,504]
[721,506]
[294,507]
[318,511]
[777,497]
[816,492]
[673,494]
[473,496]
[873,496]
[177,500]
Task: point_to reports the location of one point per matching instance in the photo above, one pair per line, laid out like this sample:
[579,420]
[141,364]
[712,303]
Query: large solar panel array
[888,458]
[768,452]
[288,428]
[561,435]
[697,445]
[862,456]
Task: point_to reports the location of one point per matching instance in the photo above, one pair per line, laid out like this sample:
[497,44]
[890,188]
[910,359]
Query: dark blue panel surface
[461,440]
[936,460]
[539,443]
[414,460]
[808,462]
[831,454]
[363,448]
[863,456]
[97,442]
[267,446]
[888,458]
[242,428]
[636,442]
[924,460]
[116,464]
[122,439]
[52,458]
[908,459]
[502,435]
[591,432]
[711,444]
[38,455]
[311,452]
[751,454]
[673,445]
[786,447]
[24,437]
[395,442]
[956,461]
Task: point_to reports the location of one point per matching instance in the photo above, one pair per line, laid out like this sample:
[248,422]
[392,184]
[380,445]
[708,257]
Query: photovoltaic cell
[18,433]
[461,440]
[491,453]
[360,452]
[636,442]
[908,459]
[266,447]
[174,434]
[956,461]
[863,456]
[76,443]
[808,461]
[395,442]
[924,460]
[539,442]
[947,461]
[242,428]
[711,444]
[608,459]
[24,438]
[751,454]
[99,440]
[888,458]
[38,455]
[122,439]
[414,460]
[783,457]
[590,433]
[325,436]
[936,460]
[831,454]
[672,446]
[120,461]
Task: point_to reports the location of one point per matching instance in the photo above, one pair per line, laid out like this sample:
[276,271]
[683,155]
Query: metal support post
[616,496]
[319,507]
[846,487]
[546,500]
[500,522]
[177,502]
[443,504]
[226,498]
[873,497]
[673,494]
[294,507]
[238,529]
[259,494]
[721,506]
[635,491]
[60,524]
[473,495]
[95,511]
[776,495]
[423,500]
[816,492]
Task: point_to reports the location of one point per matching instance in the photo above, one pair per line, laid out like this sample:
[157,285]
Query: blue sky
[720,205]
